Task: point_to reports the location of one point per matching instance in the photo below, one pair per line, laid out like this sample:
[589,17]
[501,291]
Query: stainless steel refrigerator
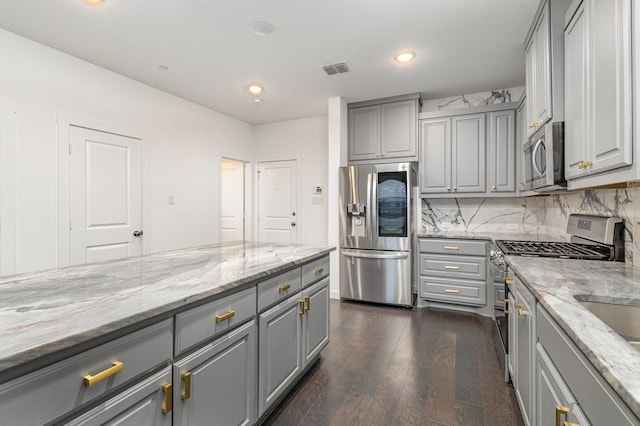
[376,232]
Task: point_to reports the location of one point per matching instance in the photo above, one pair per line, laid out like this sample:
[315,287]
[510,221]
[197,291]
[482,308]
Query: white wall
[304,140]
[186,142]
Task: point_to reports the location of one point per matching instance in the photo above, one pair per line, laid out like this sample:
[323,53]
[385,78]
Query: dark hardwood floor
[391,366]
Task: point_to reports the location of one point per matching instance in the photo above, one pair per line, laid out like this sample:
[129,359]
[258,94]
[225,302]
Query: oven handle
[350,253]
[534,156]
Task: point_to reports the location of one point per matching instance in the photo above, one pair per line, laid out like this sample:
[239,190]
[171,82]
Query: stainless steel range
[592,238]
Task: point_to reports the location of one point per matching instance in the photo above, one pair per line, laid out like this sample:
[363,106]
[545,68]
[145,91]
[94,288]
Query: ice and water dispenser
[357,223]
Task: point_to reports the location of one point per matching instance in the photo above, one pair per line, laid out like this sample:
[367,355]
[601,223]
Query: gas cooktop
[555,249]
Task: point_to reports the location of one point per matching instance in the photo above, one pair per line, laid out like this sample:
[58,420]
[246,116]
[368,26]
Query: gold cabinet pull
[220,318]
[517,306]
[570,424]
[587,164]
[301,306]
[493,187]
[451,248]
[508,281]
[534,124]
[186,393]
[561,411]
[307,300]
[455,268]
[505,303]
[449,290]
[167,405]
[523,313]
[319,271]
[90,380]
[284,287]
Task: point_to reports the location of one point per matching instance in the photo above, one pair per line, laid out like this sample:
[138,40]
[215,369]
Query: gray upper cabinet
[435,156]
[598,127]
[538,73]
[468,153]
[384,129]
[501,159]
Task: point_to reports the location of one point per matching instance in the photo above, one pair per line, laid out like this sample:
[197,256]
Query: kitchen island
[53,316]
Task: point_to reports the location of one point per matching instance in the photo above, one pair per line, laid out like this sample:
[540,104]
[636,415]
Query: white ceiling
[462,46]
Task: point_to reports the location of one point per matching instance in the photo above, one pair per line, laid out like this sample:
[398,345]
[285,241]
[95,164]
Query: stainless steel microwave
[544,159]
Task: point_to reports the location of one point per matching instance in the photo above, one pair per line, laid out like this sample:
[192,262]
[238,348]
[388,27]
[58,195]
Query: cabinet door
[216,385]
[468,152]
[525,352]
[552,392]
[435,156]
[502,152]
[576,147]
[140,405]
[398,129]
[364,133]
[316,319]
[512,356]
[609,24]
[538,73]
[521,138]
[280,355]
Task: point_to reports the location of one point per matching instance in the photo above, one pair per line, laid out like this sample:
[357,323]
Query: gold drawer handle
[319,271]
[517,306]
[220,318]
[307,300]
[505,303]
[534,124]
[186,394]
[508,281]
[451,248]
[523,313]
[561,411]
[584,164]
[301,306]
[168,402]
[284,287]
[455,268]
[448,290]
[90,380]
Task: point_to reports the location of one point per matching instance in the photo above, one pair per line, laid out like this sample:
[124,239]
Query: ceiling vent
[337,68]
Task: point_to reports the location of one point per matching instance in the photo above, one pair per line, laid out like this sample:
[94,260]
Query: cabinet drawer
[203,322]
[474,268]
[599,402]
[463,247]
[314,271]
[464,292]
[48,393]
[278,288]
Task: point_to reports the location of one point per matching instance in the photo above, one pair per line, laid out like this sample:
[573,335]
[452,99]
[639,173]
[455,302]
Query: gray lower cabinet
[76,382]
[216,385]
[524,314]
[292,334]
[566,378]
[143,404]
[452,271]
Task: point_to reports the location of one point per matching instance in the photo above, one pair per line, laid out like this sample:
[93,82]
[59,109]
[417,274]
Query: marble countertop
[46,312]
[556,282]
[492,236]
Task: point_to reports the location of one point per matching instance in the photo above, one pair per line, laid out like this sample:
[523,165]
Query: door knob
[293,224]
[138,233]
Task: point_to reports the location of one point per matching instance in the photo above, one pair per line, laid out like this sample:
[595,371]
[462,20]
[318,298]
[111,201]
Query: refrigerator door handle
[393,255]
[373,201]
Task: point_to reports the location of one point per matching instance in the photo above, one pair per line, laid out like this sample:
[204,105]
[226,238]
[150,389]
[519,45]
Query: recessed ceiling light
[261,28]
[255,89]
[404,56]
[163,67]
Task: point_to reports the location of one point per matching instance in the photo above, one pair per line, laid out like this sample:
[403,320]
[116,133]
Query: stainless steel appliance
[592,238]
[376,230]
[544,159]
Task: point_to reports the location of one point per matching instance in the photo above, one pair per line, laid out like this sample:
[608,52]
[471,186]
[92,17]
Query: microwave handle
[534,156]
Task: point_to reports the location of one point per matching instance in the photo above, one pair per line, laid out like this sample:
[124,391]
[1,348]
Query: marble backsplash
[474,99]
[537,215]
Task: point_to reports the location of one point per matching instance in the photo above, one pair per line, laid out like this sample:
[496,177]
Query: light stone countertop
[555,282]
[49,312]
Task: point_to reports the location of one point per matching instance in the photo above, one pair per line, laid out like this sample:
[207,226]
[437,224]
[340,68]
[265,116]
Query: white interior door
[278,202]
[105,196]
[232,184]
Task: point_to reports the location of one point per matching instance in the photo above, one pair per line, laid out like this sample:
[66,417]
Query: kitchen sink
[623,319]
